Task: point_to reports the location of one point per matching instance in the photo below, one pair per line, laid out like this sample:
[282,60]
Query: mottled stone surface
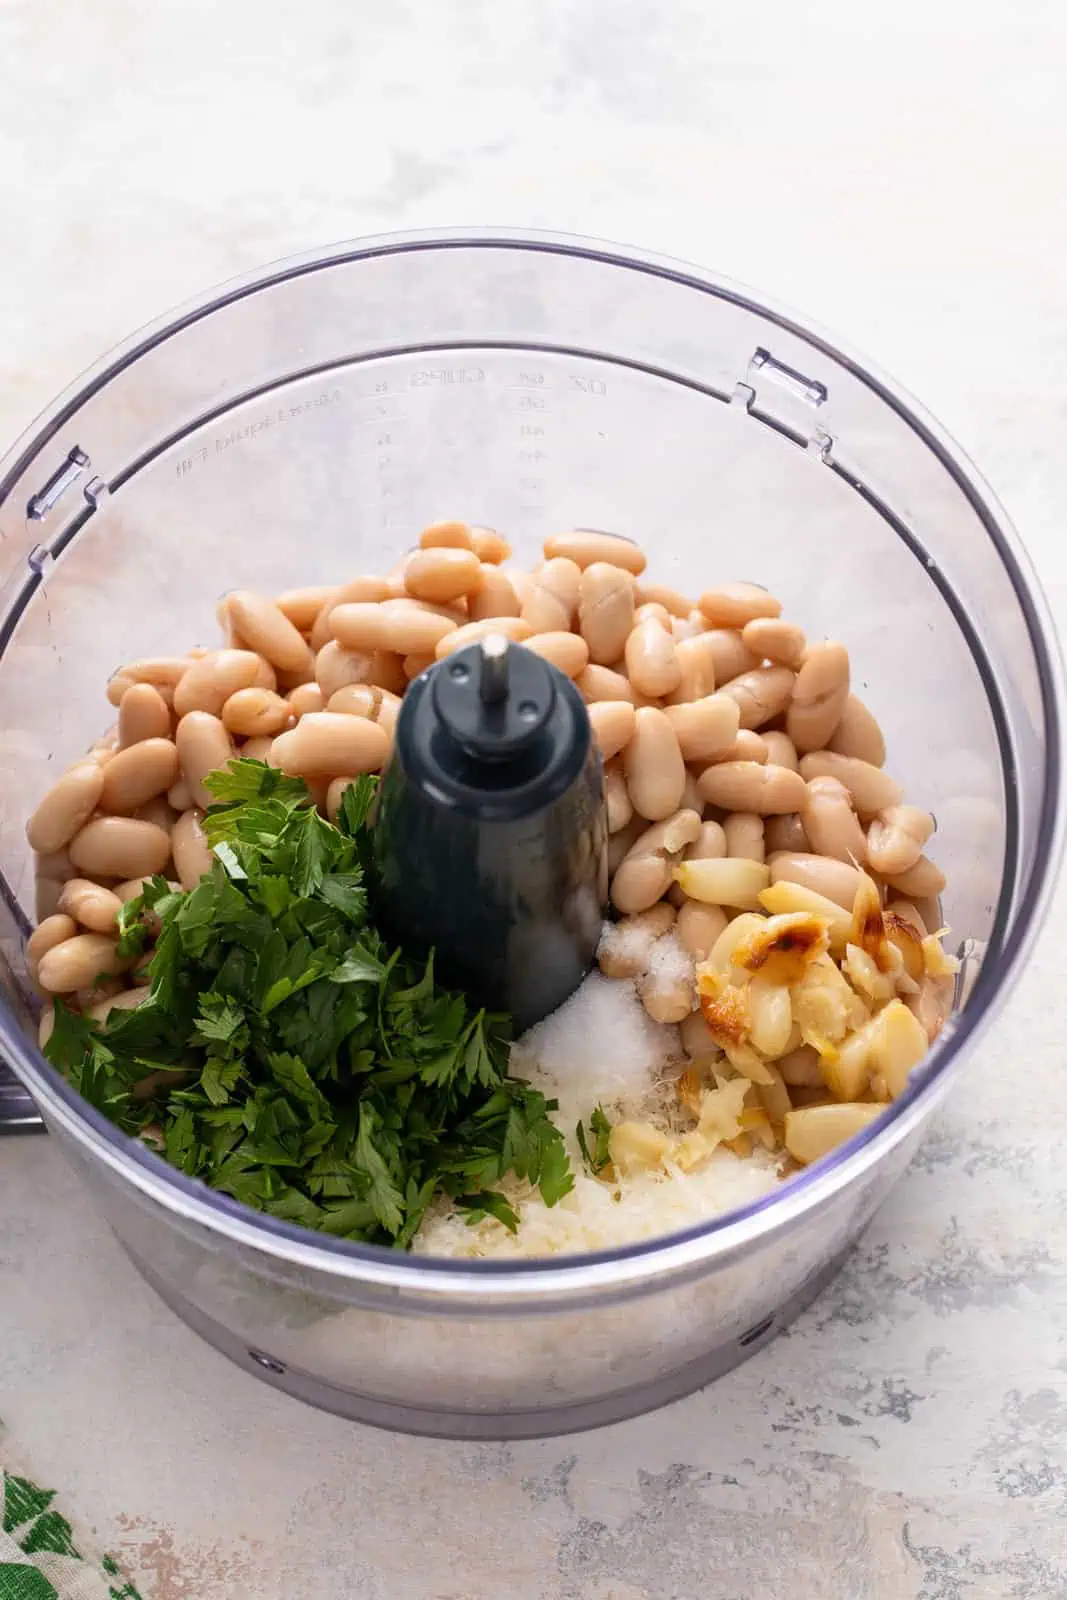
[903,182]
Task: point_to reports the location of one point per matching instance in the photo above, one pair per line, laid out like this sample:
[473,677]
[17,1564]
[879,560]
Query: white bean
[652,762]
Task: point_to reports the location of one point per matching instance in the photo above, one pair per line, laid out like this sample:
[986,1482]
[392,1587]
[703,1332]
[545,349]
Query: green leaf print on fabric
[23,1501]
[50,1532]
[20,1582]
[38,1556]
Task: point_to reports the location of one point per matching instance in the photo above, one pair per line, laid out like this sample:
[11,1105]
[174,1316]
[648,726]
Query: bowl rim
[475,1284]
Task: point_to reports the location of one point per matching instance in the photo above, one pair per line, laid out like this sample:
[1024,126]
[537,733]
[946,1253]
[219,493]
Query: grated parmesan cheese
[602,1216]
[602,1048]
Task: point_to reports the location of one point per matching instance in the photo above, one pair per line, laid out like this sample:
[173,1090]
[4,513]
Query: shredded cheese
[601,1048]
[602,1216]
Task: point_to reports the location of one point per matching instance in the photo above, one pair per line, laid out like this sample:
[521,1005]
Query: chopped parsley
[597,1159]
[288,1056]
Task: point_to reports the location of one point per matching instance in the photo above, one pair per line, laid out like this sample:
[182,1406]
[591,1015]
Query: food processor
[302,425]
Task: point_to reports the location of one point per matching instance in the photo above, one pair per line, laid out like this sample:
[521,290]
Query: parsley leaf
[345,891]
[384,1197]
[358,966]
[221,1022]
[599,1158]
[133,934]
[243,780]
[356,802]
[487,1203]
[314,849]
[288,1056]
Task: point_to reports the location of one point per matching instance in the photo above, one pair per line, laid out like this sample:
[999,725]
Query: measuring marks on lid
[541,403]
[512,415]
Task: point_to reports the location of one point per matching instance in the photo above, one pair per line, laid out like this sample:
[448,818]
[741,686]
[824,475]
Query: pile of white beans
[736,757]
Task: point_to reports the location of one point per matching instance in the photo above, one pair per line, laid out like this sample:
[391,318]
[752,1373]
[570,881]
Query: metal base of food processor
[544,1423]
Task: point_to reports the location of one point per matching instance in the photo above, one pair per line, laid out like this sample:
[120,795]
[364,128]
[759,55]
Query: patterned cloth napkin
[39,1558]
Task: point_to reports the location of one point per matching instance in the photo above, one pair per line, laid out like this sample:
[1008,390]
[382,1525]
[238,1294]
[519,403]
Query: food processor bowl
[300,426]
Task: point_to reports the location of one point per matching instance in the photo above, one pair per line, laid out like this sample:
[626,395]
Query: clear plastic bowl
[302,425]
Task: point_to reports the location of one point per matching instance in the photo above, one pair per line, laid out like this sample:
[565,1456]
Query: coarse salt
[669,961]
[600,1048]
[627,943]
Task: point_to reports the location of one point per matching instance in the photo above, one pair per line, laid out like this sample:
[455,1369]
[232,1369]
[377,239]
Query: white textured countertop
[903,182]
